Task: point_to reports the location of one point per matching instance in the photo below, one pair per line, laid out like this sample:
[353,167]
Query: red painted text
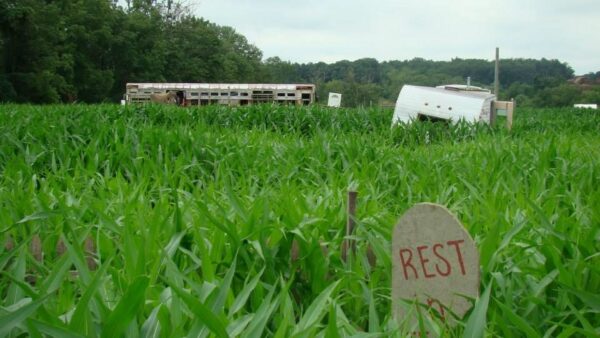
[429,261]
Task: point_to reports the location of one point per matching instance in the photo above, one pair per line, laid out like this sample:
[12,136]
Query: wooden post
[36,248]
[61,248]
[350,224]
[509,114]
[9,244]
[90,251]
[295,250]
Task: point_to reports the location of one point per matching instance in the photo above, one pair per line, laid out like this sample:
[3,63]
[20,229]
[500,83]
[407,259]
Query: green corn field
[159,221]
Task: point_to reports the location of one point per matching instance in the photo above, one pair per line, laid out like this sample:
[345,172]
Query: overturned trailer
[450,104]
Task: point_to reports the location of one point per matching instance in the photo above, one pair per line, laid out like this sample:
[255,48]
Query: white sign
[586,105]
[434,264]
[335,100]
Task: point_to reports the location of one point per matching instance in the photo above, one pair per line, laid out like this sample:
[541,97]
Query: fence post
[509,114]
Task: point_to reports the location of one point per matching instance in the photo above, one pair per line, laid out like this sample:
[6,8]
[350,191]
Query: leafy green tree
[31,61]
[590,96]
[560,96]
[279,71]
[366,71]
[191,52]
[90,29]
[241,60]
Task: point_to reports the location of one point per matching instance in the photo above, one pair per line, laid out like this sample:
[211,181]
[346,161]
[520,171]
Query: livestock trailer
[198,94]
[450,104]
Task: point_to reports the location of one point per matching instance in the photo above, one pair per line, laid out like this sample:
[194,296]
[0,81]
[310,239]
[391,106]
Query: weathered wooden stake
[509,115]
[350,223]
[295,250]
[348,244]
[371,256]
[61,248]
[36,247]
[9,245]
[90,251]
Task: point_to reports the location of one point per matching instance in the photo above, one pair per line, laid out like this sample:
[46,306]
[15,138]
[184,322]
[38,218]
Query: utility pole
[497,70]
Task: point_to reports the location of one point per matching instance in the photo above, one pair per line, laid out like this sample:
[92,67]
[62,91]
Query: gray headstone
[434,263]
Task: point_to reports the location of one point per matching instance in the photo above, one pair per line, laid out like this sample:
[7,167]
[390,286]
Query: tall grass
[193,213]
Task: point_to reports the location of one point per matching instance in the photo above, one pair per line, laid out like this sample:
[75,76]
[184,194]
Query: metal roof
[464,88]
[462,93]
[234,86]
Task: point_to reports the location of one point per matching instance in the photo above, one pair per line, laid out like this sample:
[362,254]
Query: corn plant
[220,221]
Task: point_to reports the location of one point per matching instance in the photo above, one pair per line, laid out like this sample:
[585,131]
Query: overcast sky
[332,30]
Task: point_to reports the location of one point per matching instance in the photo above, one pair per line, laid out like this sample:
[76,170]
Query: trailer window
[422,117]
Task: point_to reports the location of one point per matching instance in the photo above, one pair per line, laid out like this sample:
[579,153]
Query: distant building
[234,94]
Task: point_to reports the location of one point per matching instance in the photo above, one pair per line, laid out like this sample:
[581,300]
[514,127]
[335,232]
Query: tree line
[530,82]
[86,50]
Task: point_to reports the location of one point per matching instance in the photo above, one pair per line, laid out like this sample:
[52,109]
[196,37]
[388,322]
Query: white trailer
[449,104]
[416,102]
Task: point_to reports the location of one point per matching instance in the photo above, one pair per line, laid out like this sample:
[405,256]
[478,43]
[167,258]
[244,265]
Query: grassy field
[155,221]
